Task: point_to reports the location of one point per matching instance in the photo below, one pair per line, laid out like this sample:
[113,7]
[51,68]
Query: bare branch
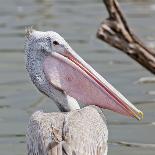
[116,32]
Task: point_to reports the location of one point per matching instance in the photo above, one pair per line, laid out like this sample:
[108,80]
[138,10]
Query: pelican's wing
[85,133]
[79,132]
[44,133]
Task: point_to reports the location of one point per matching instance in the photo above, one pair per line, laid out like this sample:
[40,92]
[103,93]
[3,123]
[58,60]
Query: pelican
[62,75]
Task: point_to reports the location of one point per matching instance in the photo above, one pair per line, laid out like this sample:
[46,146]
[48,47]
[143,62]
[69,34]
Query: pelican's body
[79,132]
[65,77]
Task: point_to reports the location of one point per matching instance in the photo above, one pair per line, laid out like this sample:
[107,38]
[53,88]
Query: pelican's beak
[85,84]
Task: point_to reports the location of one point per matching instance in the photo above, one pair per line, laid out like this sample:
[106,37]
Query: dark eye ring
[55,42]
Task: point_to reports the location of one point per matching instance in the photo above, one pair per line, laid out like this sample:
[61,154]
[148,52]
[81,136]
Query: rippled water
[77,21]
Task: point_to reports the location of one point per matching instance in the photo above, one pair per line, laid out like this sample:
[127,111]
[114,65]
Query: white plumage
[79,132]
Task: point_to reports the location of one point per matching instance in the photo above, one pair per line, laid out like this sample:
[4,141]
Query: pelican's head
[50,42]
[67,71]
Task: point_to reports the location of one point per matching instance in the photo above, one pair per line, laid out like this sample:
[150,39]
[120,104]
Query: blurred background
[77,21]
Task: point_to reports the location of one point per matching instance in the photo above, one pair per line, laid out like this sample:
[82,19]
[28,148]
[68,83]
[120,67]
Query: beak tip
[140,115]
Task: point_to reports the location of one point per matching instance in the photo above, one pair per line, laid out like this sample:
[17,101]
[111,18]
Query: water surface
[77,21]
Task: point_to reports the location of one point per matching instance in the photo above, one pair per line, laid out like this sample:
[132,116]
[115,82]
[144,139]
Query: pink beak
[70,73]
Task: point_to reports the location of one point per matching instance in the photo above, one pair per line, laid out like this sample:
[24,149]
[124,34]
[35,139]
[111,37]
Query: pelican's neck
[72,103]
[34,65]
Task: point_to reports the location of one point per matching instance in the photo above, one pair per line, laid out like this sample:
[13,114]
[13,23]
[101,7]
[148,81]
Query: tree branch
[116,32]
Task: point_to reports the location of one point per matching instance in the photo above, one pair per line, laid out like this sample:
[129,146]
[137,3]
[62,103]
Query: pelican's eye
[55,42]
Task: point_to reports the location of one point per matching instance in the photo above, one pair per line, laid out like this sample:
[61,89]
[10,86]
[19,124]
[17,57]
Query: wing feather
[79,132]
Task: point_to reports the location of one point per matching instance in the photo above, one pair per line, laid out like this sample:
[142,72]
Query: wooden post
[116,32]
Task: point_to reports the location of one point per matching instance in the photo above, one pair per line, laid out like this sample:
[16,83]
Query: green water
[77,21]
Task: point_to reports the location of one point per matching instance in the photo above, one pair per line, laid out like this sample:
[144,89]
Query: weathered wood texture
[116,32]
